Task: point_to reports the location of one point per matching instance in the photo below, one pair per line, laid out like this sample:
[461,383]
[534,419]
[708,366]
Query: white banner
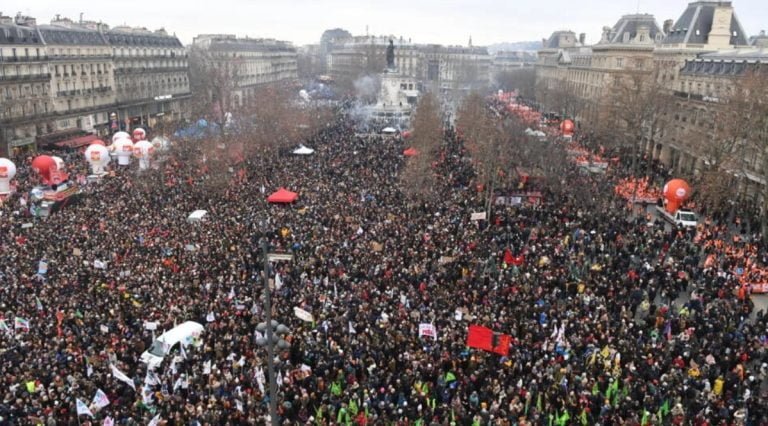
[478,216]
[119,375]
[82,409]
[427,330]
[100,399]
[303,315]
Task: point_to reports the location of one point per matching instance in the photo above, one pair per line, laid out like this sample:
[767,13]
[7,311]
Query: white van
[182,334]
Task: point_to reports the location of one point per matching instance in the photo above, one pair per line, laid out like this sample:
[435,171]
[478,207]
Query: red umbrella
[283,196]
[410,152]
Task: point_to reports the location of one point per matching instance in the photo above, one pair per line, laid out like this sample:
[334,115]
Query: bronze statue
[391,55]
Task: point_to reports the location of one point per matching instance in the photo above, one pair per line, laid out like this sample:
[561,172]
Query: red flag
[518,260]
[479,337]
[508,258]
[484,338]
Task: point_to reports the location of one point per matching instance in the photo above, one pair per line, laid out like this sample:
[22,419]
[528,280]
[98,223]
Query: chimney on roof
[26,21]
[582,38]
[719,36]
[668,26]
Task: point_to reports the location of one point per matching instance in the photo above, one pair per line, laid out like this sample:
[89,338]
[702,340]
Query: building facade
[66,80]
[695,60]
[151,76]
[82,78]
[443,69]
[25,88]
[575,80]
[254,62]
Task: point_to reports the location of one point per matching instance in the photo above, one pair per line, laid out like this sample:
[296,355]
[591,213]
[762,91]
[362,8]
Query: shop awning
[76,142]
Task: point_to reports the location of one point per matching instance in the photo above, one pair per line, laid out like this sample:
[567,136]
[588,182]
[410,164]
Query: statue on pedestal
[391,55]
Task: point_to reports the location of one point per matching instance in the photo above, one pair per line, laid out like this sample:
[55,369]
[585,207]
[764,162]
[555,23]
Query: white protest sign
[303,315]
[478,216]
[427,330]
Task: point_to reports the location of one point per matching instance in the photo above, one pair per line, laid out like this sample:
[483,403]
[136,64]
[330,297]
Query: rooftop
[54,34]
[18,35]
[633,29]
[695,24]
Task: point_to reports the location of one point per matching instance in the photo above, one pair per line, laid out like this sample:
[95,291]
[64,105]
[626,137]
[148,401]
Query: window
[619,62]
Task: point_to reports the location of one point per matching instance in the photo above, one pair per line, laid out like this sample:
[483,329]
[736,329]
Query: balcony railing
[23,58]
[141,70]
[74,57]
[26,77]
[67,93]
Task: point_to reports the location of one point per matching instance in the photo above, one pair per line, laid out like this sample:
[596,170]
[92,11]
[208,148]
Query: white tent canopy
[389,130]
[303,150]
[197,216]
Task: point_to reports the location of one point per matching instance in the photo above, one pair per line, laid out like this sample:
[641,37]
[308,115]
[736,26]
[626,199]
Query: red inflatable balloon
[676,192]
[567,127]
[43,165]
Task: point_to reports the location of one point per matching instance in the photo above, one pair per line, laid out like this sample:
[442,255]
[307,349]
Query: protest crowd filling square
[554,307]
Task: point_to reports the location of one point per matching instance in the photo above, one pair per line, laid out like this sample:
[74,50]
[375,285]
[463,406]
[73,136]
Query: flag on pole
[82,409]
[100,399]
[278,282]
[38,304]
[21,323]
[155,421]
[109,421]
[119,375]
[183,352]
[260,379]
[352,328]
[486,339]
[151,378]
[4,326]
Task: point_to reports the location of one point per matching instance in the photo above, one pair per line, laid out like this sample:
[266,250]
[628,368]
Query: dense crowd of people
[614,320]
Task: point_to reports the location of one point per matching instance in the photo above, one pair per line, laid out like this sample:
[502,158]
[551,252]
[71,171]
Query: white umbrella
[303,150]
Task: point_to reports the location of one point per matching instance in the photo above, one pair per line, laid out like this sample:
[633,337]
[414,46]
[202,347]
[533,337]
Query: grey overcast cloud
[424,21]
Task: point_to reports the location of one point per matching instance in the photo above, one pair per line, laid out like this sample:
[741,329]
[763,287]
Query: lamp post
[273,332]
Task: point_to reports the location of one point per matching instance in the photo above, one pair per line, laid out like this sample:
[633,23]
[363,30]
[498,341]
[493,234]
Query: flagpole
[270,343]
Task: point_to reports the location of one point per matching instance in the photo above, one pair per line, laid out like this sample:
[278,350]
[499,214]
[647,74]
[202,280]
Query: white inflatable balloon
[143,150]
[7,172]
[161,144]
[120,135]
[60,166]
[124,151]
[98,157]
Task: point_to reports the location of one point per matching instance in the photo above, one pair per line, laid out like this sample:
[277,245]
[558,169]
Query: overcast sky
[424,21]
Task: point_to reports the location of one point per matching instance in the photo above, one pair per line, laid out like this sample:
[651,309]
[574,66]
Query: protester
[613,320]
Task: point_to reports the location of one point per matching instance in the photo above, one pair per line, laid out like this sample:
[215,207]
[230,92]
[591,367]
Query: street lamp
[273,332]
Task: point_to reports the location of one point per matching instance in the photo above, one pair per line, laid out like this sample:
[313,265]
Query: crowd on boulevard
[613,320]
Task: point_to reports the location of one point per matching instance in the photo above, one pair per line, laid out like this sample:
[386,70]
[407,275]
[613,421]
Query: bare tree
[418,177]
[487,141]
[214,81]
[751,95]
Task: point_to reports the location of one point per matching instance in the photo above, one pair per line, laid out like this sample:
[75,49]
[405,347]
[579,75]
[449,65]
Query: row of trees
[495,142]
[718,138]
[250,120]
